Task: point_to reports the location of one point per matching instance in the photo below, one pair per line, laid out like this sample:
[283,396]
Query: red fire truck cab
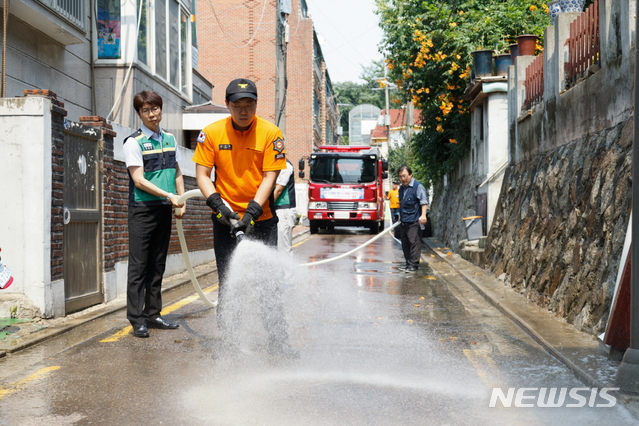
[345,187]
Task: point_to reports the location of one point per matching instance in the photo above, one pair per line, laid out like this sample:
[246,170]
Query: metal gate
[82,217]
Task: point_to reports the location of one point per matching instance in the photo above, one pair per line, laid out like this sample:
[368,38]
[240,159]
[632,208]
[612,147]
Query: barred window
[71,10]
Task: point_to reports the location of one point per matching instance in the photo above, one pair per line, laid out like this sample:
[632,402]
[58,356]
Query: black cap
[241,88]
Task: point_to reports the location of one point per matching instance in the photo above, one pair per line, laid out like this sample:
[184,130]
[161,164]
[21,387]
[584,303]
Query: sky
[349,35]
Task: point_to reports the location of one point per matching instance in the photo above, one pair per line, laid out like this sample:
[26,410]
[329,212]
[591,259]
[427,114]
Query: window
[108,26]
[143,54]
[164,38]
[184,49]
[160,38]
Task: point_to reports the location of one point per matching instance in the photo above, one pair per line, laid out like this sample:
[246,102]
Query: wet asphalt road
[378,347]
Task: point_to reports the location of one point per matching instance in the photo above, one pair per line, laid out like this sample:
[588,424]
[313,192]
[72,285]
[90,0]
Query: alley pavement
[579,351]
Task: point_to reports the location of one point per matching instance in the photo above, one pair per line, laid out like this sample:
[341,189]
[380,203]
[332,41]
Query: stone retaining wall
[560,226]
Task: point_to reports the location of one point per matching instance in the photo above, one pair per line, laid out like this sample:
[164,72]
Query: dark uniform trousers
[272,310]
[149,235]
[411,237]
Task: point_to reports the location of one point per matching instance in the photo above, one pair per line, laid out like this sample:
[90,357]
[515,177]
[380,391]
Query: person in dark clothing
[155,186]
[413,206]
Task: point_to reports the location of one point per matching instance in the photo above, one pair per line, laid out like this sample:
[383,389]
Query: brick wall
[299,102]
[115,187]
[57,181]
[197,225]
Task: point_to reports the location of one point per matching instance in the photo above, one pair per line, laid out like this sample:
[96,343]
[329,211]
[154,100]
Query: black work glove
[251,215]
[223,213]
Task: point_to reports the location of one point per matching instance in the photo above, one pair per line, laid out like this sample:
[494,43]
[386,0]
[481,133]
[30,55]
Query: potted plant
[527,44]
[514,51]
[483,62]
[502,62]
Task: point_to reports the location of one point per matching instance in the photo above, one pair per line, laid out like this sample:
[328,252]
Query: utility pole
[387,120]
[627,377]
[410,112]
[282,12]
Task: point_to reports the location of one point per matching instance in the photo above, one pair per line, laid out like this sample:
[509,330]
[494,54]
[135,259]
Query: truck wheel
[374,228]
[314,227]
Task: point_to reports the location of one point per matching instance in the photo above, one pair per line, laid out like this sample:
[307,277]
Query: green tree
[428,45]
[350,94]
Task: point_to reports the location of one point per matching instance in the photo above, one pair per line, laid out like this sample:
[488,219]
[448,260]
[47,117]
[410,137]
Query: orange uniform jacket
[393,196]
[240,158]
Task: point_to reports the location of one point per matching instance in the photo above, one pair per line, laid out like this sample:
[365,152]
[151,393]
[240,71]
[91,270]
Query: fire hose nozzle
[239,234]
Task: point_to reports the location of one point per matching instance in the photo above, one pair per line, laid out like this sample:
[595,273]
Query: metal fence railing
[584,43]
[534,83]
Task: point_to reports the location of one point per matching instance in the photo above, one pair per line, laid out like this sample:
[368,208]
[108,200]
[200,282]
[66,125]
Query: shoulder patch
[278,145]
[148,146]
[201,137]
[280,155]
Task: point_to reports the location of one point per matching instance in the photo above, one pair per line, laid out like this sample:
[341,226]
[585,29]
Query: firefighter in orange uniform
[248,154]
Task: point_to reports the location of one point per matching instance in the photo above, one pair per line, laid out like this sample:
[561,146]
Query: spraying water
[252,310]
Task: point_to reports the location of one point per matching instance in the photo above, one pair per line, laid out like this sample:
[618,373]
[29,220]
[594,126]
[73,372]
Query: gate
[82,217]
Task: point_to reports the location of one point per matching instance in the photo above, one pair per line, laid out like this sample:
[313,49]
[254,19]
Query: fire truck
[346,187]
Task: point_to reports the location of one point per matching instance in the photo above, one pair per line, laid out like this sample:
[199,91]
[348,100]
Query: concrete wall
[35,61]
[25,173]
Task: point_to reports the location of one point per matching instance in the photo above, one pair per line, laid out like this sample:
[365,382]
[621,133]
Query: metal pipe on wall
[5,21]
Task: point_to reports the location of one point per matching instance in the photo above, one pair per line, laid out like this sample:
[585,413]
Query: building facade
[69,74]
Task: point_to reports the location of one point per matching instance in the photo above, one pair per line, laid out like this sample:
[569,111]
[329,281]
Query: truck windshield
[343,170]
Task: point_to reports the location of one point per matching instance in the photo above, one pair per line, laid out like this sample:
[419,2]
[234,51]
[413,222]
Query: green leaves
[428,45]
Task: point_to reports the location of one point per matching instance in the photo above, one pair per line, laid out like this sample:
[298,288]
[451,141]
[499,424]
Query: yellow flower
[461,12]
[440,129]
[453,24]
[439,56]
[532,8]
[452,141]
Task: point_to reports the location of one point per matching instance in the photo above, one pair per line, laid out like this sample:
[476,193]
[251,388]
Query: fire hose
[187,261]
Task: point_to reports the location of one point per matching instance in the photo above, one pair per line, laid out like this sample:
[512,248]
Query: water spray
[240,236]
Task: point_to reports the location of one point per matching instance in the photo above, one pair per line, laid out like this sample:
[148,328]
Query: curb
[24,342]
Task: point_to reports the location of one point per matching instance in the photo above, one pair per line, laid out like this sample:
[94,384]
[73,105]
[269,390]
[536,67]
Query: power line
[210,2]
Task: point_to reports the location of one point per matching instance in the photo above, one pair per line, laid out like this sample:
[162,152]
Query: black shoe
[161,323]
[403,268]
[282,349]
[140,331]
[411,269]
